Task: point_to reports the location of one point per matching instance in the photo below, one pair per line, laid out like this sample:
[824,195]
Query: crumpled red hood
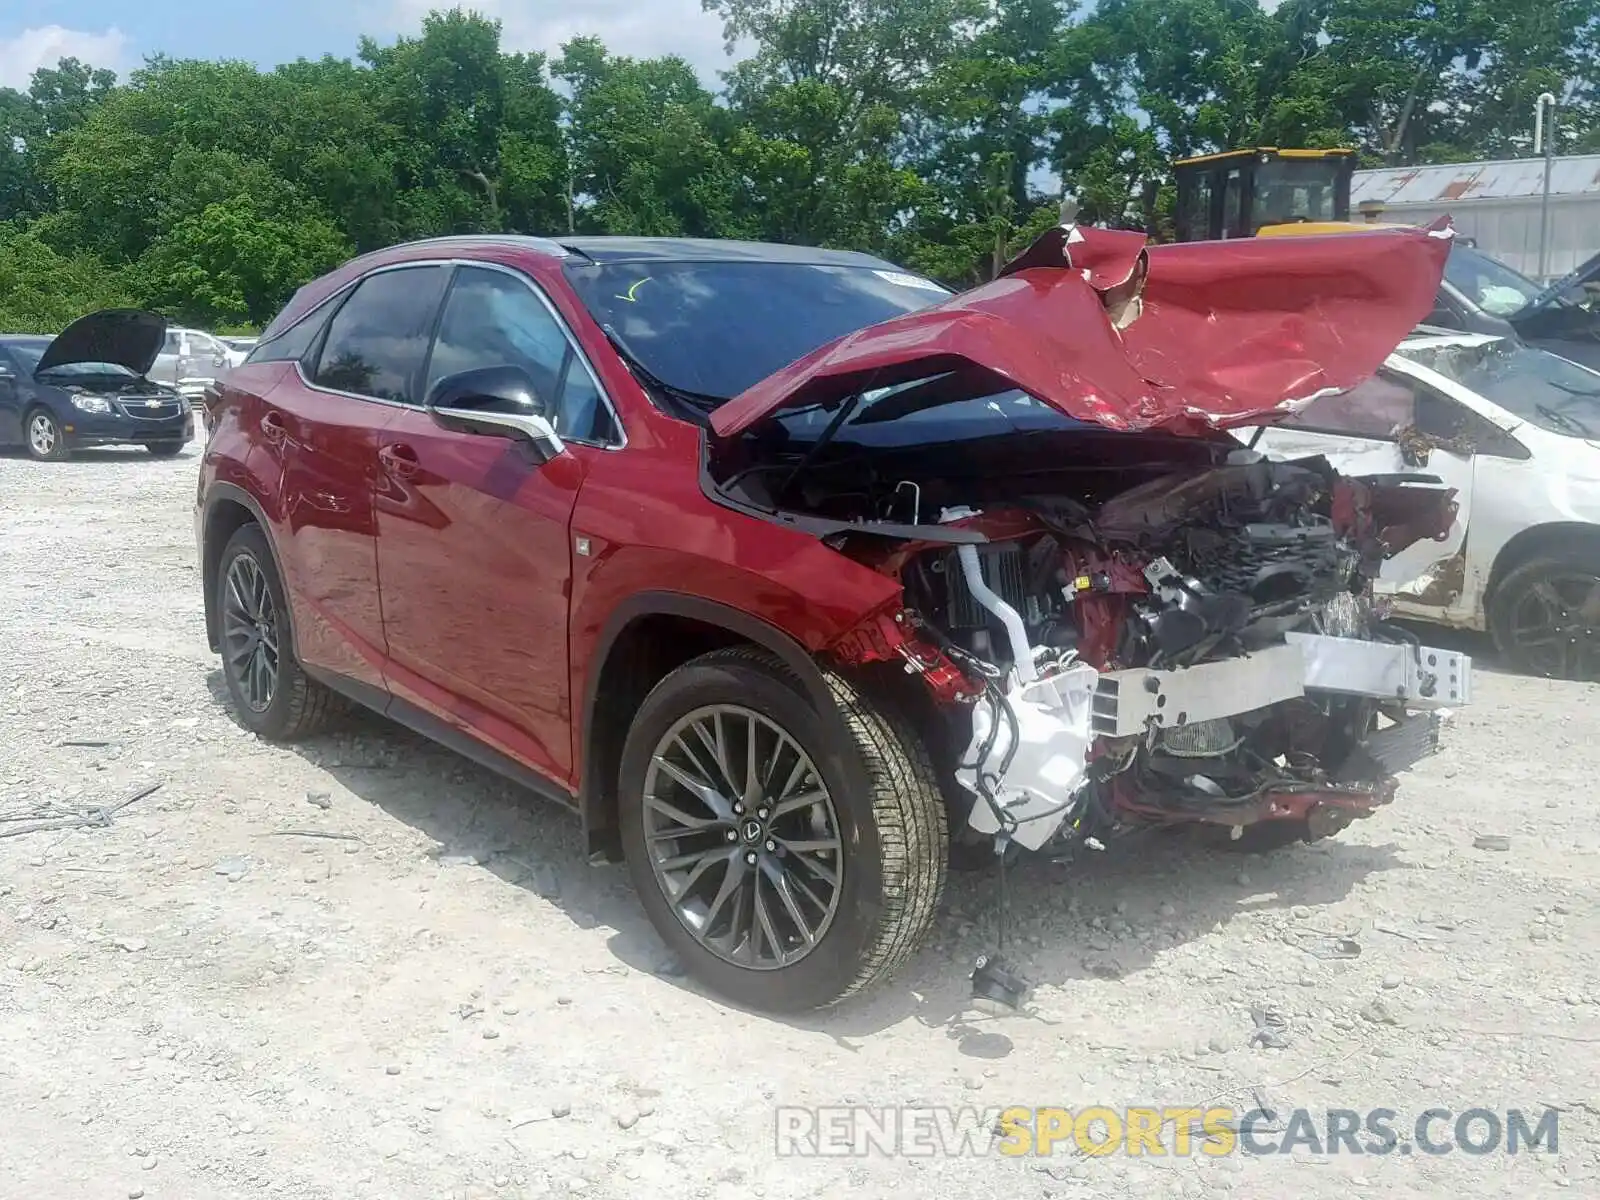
[1231,333]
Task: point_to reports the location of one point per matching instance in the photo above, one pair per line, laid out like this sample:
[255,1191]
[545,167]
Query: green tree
[646,152]
[446,96]
[42,291]
[233,264]
[918,129]
[979,137]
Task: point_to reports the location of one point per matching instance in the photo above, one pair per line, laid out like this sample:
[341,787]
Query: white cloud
[648,29]
[22,55]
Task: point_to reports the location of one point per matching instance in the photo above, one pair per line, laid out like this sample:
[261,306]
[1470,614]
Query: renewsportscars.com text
[846,1132]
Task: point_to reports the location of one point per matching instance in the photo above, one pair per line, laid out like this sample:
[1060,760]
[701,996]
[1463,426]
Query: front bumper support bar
[1130,703]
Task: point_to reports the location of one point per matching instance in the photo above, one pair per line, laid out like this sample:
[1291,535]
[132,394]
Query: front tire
[42,435]
[790,860]
[271,695]
[164,449]
[1545,617]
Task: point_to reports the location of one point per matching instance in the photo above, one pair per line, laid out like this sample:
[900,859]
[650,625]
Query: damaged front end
[1121,613]
[1203,647]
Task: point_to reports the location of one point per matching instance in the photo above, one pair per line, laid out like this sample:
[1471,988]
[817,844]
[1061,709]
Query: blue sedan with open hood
[88,386]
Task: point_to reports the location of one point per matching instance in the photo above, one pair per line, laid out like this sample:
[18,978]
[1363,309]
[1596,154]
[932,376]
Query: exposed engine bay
[1120,614]
[1169,630]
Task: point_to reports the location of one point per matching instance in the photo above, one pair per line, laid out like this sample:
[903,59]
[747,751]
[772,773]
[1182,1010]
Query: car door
[1393,424]
[168,364]
[321,422]
[474,533]
[208,356]
[10,400]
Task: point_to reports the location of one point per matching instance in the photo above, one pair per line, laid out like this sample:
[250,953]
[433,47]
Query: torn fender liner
[1230,334]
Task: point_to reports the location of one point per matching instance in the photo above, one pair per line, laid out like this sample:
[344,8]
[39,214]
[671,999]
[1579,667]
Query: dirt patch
[366,968]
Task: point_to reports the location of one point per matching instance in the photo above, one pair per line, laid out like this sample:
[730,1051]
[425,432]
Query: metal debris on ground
[1491,841]
[1271,1029]
[1334,948]
[1411,935]
[313,833]
[1379,1013]
[48,817]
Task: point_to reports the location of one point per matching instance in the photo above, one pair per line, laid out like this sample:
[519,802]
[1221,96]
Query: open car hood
[126,337]
[1230,333]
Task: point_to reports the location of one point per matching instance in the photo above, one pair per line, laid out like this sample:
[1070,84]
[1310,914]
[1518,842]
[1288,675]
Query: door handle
[273,428]
[399,460]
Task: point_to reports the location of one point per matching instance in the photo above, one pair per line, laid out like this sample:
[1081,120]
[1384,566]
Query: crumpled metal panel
[1230,333]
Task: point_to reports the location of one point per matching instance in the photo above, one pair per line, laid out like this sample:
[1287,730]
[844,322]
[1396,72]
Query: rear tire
[872,799]
[164,449]
[271,695]
[42,435]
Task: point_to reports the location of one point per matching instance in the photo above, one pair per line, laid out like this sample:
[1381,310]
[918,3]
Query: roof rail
[539,245]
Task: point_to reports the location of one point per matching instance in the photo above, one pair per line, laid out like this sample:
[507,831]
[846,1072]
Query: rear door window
[378,340]
[294,342]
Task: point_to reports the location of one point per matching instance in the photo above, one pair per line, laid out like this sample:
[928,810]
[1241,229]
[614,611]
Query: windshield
[957,421]
[1541,388]
[28,355]
[716,328]
[1488,284]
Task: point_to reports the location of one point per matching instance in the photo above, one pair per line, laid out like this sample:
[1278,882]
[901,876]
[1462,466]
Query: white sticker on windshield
[901,279]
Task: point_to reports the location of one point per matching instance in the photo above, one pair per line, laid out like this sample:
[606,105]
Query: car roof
[25,339]
[619,249]
[519,248]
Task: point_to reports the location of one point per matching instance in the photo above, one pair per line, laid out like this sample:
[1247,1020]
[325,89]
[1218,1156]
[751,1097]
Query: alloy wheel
[743,837]
[1554,625]
[42,435]
[250,632]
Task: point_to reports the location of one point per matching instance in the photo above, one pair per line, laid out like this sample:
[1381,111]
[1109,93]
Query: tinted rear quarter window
[378,340]
[293,342]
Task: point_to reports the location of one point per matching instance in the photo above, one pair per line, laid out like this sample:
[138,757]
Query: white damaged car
[1515,431]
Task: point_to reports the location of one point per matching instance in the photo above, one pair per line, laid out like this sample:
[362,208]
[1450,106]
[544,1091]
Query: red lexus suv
[801,577]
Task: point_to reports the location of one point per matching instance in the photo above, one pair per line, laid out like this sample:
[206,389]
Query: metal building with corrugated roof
[1497,205]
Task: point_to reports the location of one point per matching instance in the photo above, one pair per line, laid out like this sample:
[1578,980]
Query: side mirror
[495,402]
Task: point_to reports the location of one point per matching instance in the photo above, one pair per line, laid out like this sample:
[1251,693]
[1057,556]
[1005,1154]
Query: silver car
[190,359]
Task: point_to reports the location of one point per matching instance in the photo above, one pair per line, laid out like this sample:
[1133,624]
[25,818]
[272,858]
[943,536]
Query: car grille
[140,410]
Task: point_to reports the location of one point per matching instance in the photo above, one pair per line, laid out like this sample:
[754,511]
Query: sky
[118,35]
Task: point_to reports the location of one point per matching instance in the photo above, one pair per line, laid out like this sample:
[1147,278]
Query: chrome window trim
[555,315]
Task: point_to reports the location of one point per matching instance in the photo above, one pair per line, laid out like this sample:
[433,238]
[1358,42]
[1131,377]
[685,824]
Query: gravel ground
[364,967]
